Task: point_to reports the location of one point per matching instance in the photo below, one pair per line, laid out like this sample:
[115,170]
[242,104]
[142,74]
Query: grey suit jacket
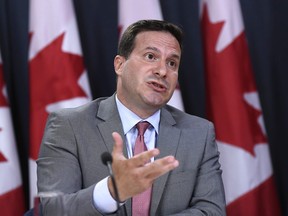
[70,160]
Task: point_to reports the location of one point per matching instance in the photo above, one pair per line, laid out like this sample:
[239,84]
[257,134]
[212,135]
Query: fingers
[144,157]
[118,144]
[135,175]
[140,159]
[160,167]
[117,140]
[154,169]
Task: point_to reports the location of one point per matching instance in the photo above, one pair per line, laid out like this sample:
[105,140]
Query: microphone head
[106,157]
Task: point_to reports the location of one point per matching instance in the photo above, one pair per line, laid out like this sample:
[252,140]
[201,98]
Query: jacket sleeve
[59,172]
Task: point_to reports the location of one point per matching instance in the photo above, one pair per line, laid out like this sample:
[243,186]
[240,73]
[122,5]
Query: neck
[142,112]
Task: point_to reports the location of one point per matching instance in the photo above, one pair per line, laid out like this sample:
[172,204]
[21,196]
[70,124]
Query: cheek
[174,80]
[132,80]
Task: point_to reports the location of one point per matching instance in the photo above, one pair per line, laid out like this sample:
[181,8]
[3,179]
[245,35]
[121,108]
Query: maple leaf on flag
[3,102]
[235,120]
[11,190]
[53,77]
[2,158]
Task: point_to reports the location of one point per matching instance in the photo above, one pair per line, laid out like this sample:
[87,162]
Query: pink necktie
[141,202]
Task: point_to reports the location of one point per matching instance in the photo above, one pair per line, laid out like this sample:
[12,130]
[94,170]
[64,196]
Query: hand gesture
[135,175]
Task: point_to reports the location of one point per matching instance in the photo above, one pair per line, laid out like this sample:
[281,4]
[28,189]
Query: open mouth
[157,86]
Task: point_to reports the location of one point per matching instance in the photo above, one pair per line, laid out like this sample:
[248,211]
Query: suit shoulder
[80,111]
[184,118]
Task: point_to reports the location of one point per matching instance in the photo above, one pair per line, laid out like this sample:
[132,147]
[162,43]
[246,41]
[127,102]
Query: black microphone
[107,160]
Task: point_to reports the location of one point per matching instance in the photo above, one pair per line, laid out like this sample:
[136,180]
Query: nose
[161,70]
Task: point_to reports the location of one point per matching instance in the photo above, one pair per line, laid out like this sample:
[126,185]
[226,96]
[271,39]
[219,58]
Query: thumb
[118,145]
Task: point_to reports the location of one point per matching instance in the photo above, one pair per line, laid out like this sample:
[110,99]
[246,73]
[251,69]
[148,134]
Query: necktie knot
[142,127]
[139,144]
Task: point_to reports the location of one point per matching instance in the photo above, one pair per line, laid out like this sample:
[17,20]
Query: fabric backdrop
[266,31]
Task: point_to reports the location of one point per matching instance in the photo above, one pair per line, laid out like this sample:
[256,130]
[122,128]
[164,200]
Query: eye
[150,56]
[172,64]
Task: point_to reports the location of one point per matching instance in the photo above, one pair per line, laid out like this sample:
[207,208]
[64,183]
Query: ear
[118,64]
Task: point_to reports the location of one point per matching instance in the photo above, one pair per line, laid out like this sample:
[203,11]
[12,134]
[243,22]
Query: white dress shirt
[103,201]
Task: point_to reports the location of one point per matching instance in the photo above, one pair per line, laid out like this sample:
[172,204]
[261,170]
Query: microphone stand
[107,160]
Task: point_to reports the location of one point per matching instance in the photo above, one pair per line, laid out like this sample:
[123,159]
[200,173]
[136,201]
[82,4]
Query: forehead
[157,39]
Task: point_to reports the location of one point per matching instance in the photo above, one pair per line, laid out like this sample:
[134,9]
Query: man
[181,164]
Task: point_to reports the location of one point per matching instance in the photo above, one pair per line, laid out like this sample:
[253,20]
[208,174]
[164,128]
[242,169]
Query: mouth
[156,86]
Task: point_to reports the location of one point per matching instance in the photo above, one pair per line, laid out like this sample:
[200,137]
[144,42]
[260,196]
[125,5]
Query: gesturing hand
[135,175]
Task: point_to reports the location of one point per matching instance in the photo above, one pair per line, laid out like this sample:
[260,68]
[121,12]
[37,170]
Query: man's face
[147,79]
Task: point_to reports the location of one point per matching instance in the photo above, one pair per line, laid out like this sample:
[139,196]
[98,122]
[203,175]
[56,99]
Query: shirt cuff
[103,201]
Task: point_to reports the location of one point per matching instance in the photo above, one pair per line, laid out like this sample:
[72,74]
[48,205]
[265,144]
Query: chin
[156,101]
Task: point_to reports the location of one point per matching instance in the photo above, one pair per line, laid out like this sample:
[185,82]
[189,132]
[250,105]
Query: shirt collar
[130,119]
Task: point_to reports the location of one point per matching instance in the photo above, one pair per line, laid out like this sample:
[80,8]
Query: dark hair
[127,44]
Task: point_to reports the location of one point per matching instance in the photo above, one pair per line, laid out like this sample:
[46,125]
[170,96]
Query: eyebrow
[157,50]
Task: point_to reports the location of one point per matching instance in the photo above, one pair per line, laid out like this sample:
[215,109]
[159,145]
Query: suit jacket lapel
[167,143]
[108,112]
[111,122]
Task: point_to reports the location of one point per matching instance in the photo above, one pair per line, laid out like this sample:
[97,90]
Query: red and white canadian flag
[131,11]
[57,74]
[233,105]
[11,189]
